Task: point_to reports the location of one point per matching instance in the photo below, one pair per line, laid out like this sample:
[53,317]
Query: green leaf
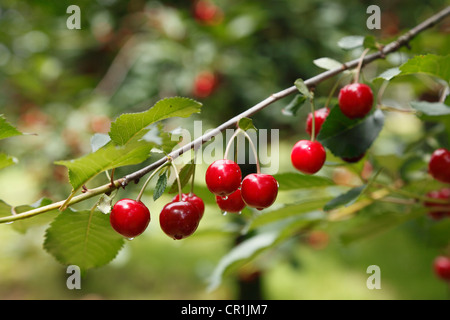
[345,199]
[303,88]
[434,109]
[246,124]
[160,187]
[108,157]
[296,103]
[185,175]
[431,64]
[370,43]
[388,74]
[134,125]
[6,129]
[6,160]
[327,63]
[351,42]
[348,138]
[294,181]
[82,238]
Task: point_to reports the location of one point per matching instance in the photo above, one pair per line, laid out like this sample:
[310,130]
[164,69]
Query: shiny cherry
[441,267]
[319,115]
[223,177]
[179,219]
[232,203]
[355,100]
[192,198]
[308,156]
[443,194]
[259,190]
[129,217]
[439,165]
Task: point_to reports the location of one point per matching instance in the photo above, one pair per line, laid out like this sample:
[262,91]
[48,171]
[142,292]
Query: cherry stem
[147,181]
[252,145]
[178,178]
[227,149]
[358,68]
[313,129]
[193,175]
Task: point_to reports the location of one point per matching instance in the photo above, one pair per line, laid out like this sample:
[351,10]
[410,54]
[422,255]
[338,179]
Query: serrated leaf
[431,64]
[134,125]
[294,181]
[346,198]
[296,103]
[185,175]
[82,238]
[160,187]
[351,42]
[108,157]
[327,63]
[348,138]
[431,108]
[6,129]
[303,88]
[6,160]
[246,124]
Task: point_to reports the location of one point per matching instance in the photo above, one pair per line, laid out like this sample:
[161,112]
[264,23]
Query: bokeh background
[65,85]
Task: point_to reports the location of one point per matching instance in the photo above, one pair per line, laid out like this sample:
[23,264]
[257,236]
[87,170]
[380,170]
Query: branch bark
[197,143]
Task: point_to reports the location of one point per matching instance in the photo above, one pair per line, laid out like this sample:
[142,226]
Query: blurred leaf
[292,108]
[351,42]
[431,108]
[345,199]
[6,160]
[327,63]
[246,124]
[430,64]
[293,181]
[134,125]
[160,187]
[388,74]
[369,42]
[82,238]
[439,233]
[348,138]
[6,129]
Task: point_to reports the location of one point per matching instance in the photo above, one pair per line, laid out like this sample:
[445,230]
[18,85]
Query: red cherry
[308,156]
[204,84]
[439,165]
[207,12]
[320,115]
[223,177]
[259,190]
[355,100]
[443,194]
[129,217]
[232,203]
[179,219]
[192,198]
[442,267]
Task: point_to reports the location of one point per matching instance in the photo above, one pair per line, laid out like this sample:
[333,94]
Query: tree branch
[197,143]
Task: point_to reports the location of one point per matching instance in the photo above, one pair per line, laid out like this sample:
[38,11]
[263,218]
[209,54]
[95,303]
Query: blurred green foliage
[65,85]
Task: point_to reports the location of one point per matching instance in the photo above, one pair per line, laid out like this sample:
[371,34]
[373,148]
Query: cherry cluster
[355,102]
[224,179]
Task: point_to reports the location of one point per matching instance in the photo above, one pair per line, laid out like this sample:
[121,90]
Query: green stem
[178,179]
[313,129]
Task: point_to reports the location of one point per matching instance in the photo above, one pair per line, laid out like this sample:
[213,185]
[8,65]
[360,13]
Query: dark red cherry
[319,115]
[439,165]
[129,217]
[355,100]
[259,190]
[443,194]
[192,198]
[232,203]
[223,177]
[441,267]
[308,156]
[179,219]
